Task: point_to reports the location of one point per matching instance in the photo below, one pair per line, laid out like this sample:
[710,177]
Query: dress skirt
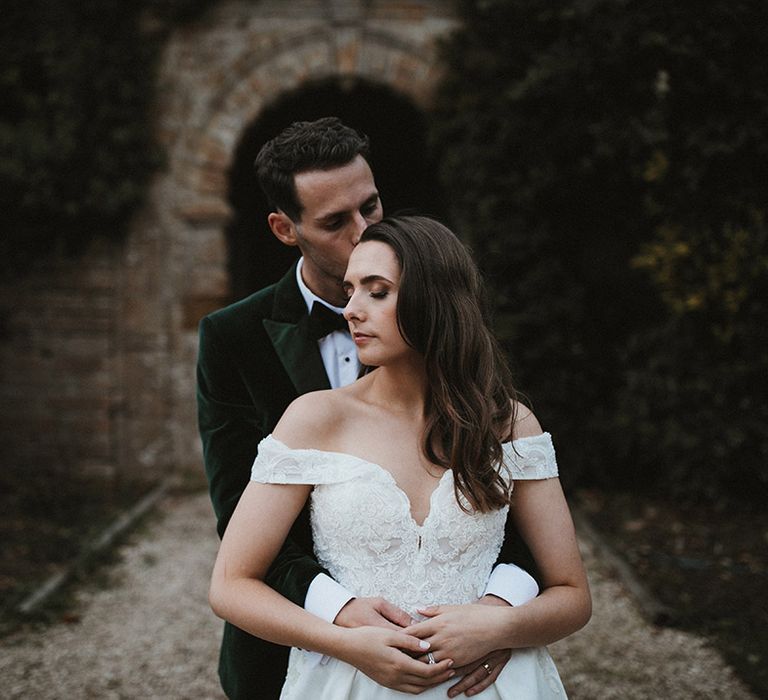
[530,674]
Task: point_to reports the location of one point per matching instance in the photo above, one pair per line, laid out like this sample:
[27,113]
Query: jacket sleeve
[232,421]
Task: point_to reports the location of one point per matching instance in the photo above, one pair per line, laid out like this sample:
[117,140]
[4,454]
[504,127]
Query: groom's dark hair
[318,145]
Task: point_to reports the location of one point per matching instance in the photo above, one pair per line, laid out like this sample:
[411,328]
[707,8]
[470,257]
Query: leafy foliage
[76,148]
[608,161]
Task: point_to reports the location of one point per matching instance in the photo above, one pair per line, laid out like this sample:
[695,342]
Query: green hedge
[76,149]
[608,161]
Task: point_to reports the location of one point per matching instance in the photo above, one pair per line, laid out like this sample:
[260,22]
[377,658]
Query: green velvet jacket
[255,357]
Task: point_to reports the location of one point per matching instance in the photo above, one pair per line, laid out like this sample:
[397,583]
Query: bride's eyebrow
[368,279]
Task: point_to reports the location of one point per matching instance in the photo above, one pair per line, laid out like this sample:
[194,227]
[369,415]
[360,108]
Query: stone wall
[98,353]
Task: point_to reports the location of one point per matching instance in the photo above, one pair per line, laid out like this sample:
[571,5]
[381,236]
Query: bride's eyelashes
[375,294]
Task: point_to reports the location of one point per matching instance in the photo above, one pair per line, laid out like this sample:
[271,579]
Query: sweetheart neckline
[383,470]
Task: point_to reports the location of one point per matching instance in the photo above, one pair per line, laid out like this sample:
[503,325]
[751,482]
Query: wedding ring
[487,668]
[431,659]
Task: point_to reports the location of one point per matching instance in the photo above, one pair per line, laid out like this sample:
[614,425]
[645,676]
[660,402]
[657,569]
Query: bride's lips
[361,338]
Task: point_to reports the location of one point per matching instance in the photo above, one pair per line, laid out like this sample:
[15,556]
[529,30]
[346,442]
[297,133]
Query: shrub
[608,162]
[76,147]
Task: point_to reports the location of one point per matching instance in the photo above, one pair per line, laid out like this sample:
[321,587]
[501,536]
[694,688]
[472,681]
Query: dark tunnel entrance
[404,170]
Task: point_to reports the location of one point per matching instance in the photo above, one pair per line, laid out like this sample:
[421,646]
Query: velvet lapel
[288,331]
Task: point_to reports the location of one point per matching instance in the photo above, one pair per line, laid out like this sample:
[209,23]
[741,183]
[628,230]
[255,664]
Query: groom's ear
[283,227]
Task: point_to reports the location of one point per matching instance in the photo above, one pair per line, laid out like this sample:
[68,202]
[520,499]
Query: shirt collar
[309,296]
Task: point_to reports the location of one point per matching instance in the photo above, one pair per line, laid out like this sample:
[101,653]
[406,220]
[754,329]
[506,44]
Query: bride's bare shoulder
[312,420]
[525,423]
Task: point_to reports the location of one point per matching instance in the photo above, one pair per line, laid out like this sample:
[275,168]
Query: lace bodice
[366,538]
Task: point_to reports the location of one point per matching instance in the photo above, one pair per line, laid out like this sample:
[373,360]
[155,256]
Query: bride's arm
[238,594]
[544,522]
[256,531]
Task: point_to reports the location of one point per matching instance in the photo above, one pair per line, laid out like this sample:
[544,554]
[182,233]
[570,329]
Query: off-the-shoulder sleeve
[531,457]
[276,463]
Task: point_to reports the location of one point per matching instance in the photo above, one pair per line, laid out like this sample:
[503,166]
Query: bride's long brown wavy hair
[440,313]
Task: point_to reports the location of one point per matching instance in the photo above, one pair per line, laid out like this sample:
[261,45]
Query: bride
[410,472]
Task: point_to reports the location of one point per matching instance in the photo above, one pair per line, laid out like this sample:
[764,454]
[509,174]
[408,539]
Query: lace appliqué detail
[278,464]
[366,538]
[368,541]
[531,457]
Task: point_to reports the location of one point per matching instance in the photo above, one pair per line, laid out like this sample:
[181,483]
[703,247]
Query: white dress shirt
[337,349]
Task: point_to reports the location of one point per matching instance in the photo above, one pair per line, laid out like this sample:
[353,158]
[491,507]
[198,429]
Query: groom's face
[337,206]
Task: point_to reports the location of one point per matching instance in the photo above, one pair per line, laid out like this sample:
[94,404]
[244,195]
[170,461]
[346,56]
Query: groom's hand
[375,612]
[479,675]
[476,676]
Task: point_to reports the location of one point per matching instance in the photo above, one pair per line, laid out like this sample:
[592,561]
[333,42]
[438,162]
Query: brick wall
[98,353]
[58,356]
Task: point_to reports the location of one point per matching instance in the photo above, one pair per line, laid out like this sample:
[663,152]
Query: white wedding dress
[366,537]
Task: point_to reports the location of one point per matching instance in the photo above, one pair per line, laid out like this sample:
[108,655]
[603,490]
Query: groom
[259,354]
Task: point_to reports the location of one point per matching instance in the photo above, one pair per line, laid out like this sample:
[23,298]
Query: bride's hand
[383,655]
[464,633]
[378,612]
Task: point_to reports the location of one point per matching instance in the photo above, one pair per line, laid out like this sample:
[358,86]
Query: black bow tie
[323,321]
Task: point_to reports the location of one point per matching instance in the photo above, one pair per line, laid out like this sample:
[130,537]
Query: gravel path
[151,634]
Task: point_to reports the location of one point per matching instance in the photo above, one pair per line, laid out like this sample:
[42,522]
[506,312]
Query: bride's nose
[352,310]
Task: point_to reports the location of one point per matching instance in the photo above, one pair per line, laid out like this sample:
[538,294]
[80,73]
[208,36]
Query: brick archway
[100,351]
[202,154]
[216,79]
[405,168]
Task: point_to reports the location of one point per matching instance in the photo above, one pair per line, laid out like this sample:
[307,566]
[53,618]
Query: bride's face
[371,283]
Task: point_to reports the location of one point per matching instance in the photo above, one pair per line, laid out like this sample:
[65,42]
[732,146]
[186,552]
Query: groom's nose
[359,225]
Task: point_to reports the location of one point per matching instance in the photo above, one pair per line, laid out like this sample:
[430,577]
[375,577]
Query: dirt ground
[147,632]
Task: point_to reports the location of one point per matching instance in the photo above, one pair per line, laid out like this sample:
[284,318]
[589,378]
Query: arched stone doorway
[403,167]
[226,84]
[99,352]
